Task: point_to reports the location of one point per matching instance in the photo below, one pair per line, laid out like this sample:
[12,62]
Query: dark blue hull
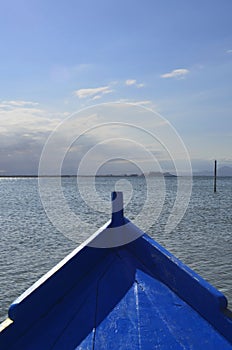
[135,296]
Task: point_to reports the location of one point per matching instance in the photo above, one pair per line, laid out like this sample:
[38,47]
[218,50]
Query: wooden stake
[215,176]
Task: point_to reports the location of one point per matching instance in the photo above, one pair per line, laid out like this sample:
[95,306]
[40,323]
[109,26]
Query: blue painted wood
[192,288]
[134,296]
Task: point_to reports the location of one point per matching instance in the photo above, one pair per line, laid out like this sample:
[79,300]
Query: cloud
[147,103]
[96,97]
[229,51]
[17,103]
[24,130]
[130,82]
[99,92]
[32,119]
[93,92]
[176,73]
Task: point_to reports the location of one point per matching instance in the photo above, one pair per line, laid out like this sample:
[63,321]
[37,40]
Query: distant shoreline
[110,176]
[151,174]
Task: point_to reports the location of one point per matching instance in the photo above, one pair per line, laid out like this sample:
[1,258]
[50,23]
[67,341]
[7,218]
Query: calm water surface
[30,245]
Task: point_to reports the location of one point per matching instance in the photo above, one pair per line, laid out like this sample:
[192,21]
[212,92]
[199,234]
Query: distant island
[151,174]
[166,174]
[224,171]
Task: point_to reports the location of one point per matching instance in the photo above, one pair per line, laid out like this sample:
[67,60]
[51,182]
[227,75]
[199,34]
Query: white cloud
[176,73]
[145,103]
[142,103]
[23,132]
[130,82]
[18,120]
[96,97]
[17,103]
[229,51]
[93,92]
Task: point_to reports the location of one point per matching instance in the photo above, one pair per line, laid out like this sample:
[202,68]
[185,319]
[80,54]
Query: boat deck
[120,304]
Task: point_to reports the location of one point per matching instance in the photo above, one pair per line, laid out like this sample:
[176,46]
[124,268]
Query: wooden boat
[131,296]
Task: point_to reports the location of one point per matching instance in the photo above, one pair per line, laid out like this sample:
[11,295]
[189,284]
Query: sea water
[30,244]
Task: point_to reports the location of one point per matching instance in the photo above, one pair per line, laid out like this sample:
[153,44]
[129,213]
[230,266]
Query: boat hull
[129,296]
[133,297]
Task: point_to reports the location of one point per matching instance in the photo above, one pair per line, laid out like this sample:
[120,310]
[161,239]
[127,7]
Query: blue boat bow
[124,296]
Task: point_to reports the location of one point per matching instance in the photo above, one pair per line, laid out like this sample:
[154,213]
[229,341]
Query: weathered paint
[136,296]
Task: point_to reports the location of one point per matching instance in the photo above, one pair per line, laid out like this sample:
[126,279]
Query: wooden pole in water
[215,176]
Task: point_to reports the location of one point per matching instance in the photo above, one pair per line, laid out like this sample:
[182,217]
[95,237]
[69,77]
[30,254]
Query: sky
[59,57]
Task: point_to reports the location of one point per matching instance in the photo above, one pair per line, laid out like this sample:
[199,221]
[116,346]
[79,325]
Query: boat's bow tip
[117,218]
